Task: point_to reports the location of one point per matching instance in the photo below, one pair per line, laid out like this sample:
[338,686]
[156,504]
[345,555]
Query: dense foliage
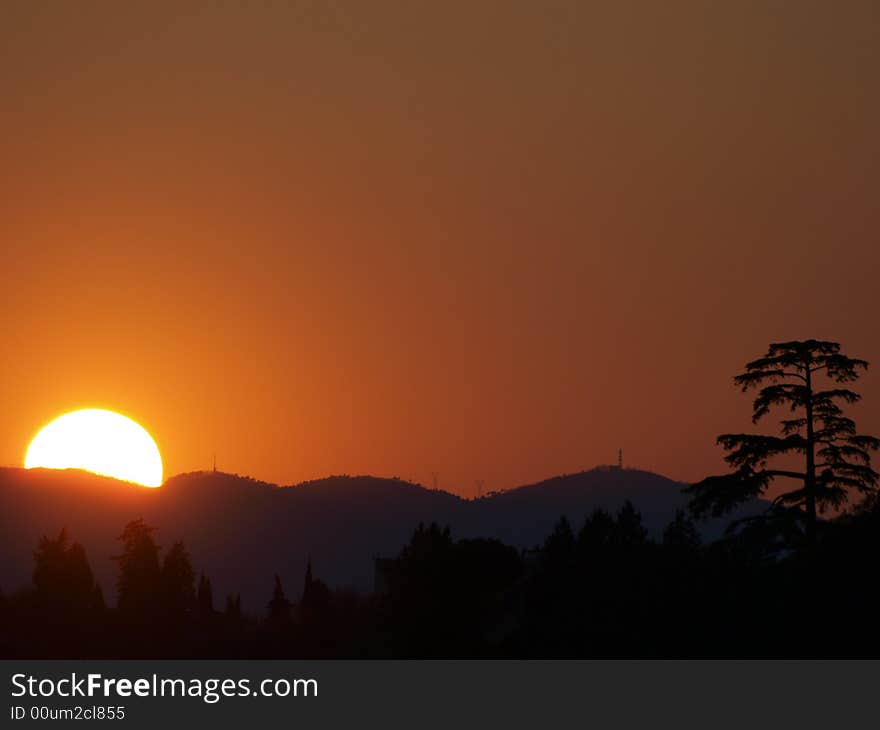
[599,589]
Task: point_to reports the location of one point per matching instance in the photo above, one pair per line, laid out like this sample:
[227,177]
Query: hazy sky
[497,240]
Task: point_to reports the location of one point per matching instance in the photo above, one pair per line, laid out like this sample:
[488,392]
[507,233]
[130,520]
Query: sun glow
[98,441]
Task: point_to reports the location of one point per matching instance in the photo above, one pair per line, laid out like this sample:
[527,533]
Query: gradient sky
[493,239]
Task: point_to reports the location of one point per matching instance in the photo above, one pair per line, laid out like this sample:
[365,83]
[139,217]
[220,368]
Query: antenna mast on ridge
[620,458]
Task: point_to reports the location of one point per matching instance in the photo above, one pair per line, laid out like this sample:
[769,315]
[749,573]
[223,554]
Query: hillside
[523,516]
[241,531]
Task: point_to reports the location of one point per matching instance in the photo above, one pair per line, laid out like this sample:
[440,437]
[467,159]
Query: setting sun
[99,441]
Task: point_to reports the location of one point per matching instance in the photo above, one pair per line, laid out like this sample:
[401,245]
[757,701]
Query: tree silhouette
[308,580]
[98,598]
[597,533]
[205,598]
[560,544]
[279,606]
[140,581]
[629,531]
[314,606]
[233,608]
[612,592]
[428,541]
[835,458]
[178,580]
[62,576]
[681,532]
[444,595]
[315,595]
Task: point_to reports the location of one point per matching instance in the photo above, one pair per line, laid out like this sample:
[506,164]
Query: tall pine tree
[831,459]
[139,586]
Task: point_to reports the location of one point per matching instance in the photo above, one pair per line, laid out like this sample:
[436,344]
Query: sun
[98,441]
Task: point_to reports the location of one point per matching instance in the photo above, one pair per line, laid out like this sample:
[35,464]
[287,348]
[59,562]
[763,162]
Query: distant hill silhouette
[525,515]
[241,531]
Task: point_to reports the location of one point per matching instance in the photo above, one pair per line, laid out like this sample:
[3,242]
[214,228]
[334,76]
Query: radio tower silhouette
[620,458]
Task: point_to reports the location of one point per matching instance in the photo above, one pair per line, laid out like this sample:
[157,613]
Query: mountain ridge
[241,531]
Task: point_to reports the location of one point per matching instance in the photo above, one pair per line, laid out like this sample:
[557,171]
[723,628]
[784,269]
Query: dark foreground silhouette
[601,590]
[341,523]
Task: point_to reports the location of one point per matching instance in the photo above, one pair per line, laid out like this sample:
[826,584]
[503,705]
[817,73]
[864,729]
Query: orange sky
[493,239]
